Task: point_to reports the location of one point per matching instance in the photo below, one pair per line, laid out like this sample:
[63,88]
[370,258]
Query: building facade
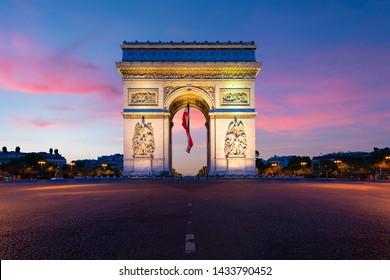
[218,79]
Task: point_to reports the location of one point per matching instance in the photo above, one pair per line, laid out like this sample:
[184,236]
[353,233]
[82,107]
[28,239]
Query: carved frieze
[210,90]
[193,101]
[143,139]
[189,55]
[193,74]
[235,139]
[143,96]
[235,96]
[169,89]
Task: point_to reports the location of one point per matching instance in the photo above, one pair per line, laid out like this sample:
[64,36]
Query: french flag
[186,125]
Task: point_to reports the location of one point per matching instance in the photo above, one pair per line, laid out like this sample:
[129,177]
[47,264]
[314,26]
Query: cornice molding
[187,45]
[139,115]
[232,115]
[193,65]
[189,73]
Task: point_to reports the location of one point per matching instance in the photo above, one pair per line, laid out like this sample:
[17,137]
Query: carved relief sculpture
[146,96]
[143,139]
[202,74]
[239,96]
[209,89]
[235,140]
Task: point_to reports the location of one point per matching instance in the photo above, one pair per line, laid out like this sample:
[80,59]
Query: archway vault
[195,96]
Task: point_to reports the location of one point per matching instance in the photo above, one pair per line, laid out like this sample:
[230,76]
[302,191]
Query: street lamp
[71,166]
[104,165]
[337,162]
[387,158]
[41,162]
[303,164]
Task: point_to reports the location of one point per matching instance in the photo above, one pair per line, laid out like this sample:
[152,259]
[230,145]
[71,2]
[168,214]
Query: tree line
[343,165]
[35,166]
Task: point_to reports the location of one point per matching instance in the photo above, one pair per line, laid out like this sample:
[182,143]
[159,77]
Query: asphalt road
[194,219]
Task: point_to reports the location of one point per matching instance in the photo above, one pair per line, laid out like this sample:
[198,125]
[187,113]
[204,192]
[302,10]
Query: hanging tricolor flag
[186,125]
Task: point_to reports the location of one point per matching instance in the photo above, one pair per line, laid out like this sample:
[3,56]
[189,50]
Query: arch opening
[200,153]
[182,162]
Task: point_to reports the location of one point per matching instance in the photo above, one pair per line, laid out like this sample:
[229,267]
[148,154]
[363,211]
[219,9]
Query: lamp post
[71,166]
[41,163]
[326,171]
[303,165]
[337,161]
[386,159]
[104,165]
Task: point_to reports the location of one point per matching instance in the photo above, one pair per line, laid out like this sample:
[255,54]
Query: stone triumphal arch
[218,79]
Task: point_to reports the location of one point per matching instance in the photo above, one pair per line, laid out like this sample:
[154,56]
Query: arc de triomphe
[218,79]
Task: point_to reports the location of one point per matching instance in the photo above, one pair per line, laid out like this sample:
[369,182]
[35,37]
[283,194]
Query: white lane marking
[190,244]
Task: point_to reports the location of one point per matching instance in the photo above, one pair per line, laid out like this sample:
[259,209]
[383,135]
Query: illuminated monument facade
[218,79]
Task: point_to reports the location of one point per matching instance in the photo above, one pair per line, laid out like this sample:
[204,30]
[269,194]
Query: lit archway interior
[184,163]
[189,164]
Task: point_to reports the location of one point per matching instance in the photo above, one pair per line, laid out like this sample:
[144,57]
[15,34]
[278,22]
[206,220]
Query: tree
[257,154]
[273,170]
[202,172]
[17,149]
[175,173]
[298,165]
[260,166]
[5,149]
[51,151]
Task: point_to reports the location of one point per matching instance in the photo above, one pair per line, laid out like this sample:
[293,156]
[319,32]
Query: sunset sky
[324,86]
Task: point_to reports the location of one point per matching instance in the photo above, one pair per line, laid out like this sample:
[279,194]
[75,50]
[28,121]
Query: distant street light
[104,165]
[274,165]
[303,164]
[71,166]
[387,158]
[41,163]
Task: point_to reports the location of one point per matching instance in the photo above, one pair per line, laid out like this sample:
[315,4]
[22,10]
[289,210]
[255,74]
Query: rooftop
[188,51]
[183,43]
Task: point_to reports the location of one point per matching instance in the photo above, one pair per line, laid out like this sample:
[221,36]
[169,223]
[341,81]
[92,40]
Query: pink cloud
[330,91]
[27,121]
[33,68]
[42,124]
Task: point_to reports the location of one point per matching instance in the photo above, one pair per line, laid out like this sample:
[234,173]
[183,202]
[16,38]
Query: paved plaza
[194,219]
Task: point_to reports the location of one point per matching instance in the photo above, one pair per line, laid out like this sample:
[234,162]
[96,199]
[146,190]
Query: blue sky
[324,86]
